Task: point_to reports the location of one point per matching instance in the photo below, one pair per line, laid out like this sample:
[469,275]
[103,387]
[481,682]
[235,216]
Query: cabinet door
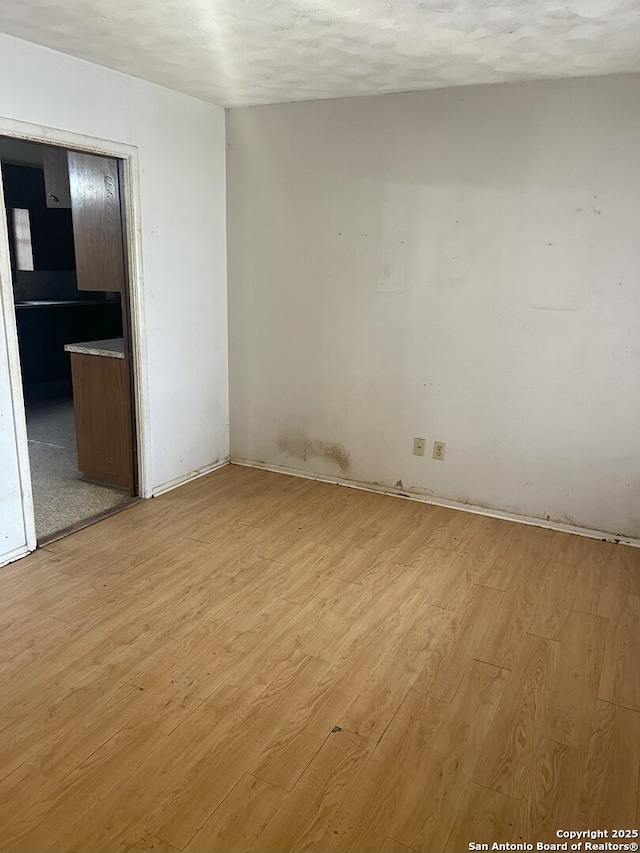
[56,177]
[97,223]
[102,406]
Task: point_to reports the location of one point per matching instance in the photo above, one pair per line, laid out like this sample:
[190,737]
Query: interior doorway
[66,228]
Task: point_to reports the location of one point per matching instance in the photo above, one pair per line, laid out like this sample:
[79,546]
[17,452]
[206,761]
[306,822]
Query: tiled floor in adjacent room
[62,497]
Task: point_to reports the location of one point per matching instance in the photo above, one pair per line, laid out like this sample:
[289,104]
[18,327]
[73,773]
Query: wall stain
[297,443]
[568,308]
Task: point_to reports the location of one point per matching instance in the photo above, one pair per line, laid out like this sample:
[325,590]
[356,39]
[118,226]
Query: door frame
[131,197]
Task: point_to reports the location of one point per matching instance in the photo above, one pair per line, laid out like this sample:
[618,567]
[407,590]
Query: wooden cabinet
[97,222]
[102,405]
[56,177]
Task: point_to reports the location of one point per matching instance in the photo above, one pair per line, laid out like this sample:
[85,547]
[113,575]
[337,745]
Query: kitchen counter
[102,407]
[113,348]
[59,303]
[45,327]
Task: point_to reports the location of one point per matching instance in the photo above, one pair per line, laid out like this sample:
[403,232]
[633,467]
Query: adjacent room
[372,583]
[63,306]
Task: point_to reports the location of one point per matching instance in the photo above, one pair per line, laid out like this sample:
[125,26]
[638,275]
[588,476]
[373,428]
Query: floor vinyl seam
[561,743]
[160,840]
[490,663]
[545,637]
[515,799]
[617,704]
[275,784]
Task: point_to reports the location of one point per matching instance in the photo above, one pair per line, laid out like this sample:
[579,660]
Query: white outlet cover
[439,446]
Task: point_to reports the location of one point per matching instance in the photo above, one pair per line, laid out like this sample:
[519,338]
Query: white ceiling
[234,52]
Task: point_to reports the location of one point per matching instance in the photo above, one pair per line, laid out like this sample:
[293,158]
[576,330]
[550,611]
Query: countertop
[113,348]
[60,303]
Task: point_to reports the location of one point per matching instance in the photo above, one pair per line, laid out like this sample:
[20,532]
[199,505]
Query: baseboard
[462,507]
[187,478]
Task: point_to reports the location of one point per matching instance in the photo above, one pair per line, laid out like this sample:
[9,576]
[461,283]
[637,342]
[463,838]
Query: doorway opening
[67,244]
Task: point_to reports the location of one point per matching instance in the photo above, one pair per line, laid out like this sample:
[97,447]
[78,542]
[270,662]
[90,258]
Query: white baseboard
[187,478]
[462,507]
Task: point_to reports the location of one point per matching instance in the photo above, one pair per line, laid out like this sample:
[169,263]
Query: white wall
[182,184]
[462,265]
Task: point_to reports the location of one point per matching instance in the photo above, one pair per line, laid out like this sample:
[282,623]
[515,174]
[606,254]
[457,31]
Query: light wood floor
[260,663]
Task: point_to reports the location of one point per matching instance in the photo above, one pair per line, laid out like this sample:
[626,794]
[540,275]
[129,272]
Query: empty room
[370,581]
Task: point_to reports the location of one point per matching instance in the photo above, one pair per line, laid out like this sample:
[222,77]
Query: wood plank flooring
[260,664]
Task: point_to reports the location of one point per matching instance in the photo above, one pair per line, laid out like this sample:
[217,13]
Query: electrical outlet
[438,449]
[418,446]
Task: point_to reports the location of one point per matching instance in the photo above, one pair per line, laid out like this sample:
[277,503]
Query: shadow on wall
[294,442]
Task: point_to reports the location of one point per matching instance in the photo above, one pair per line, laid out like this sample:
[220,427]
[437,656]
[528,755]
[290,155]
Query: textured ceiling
[234,52]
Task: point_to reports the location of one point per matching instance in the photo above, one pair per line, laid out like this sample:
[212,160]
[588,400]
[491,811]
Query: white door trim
[15,387]
[129,154]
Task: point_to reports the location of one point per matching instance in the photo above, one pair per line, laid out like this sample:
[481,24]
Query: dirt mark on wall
[297,443]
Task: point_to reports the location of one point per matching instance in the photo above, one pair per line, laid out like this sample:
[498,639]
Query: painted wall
[462,265]
[182,185]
